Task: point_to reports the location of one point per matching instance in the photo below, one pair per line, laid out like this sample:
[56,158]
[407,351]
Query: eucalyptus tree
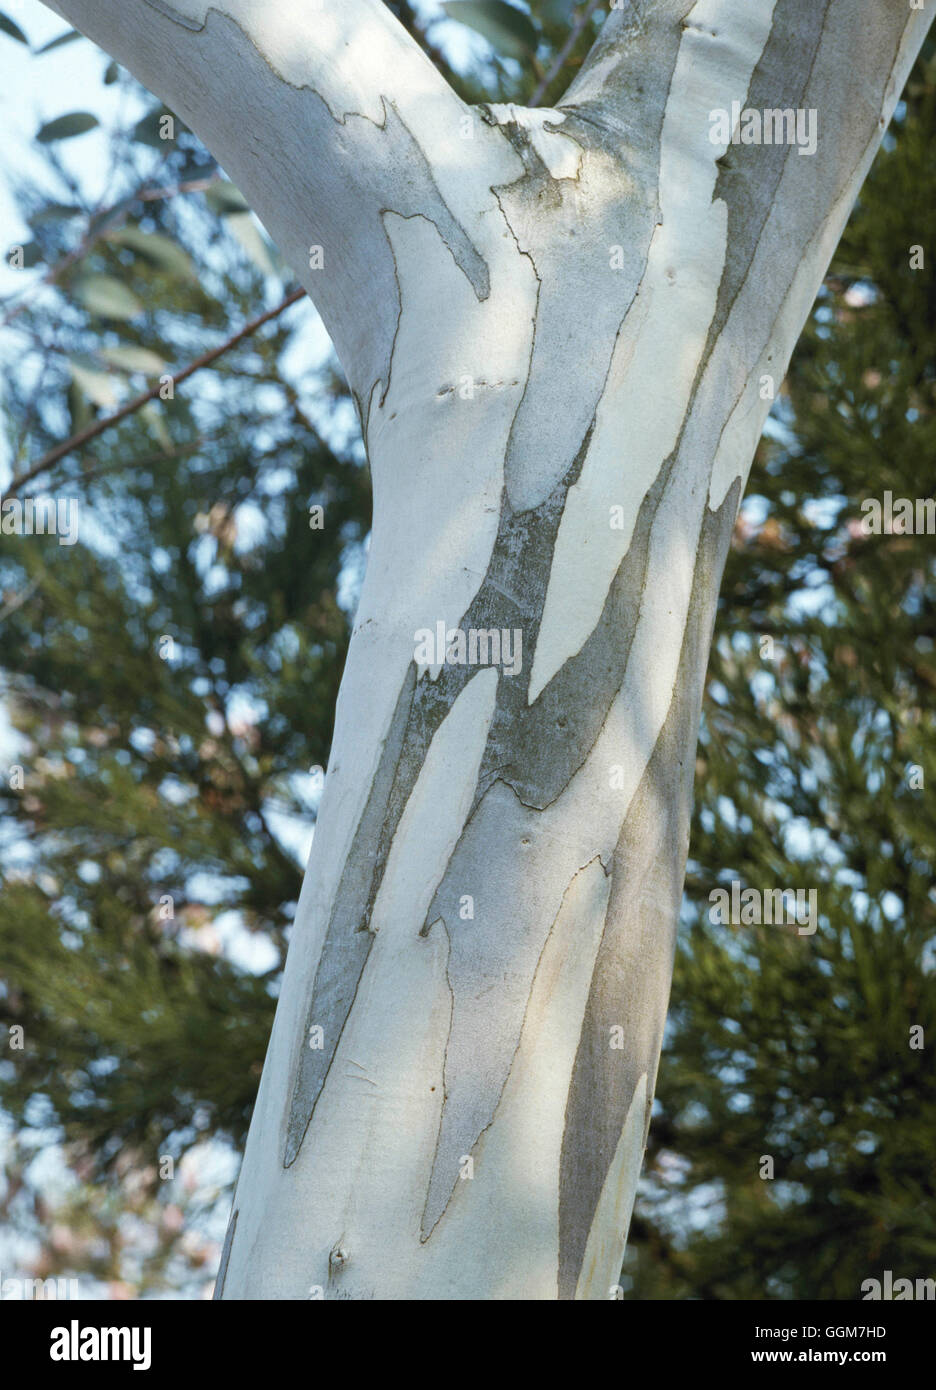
[563,328]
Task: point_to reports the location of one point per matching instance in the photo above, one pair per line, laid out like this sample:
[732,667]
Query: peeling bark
[549,319]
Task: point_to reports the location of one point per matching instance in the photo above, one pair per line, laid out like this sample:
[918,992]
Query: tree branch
[98,427]
[562,57]
[103,221]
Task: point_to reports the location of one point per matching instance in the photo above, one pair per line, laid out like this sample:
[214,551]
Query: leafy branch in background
[156,786]
[168,382]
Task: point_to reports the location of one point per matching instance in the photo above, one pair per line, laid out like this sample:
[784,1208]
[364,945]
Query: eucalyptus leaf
[113,213]
[15,32]
[79,412]
[224,196]
[32,255]
[96,385]
[149,130]
[252,241]
[53,212]
[156,420]
[159,250]
[508,30]
[68,37]
[107,297]
[66,127]
[130,358]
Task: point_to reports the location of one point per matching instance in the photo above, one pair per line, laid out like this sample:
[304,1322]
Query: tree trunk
[563,329]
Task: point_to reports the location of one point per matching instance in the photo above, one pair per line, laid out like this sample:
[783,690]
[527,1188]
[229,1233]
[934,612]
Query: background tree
[171,679]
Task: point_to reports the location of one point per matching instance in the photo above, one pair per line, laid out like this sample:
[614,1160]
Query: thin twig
[19,599]
[106,222]
[147,461]
[149,195]
[98,427]
[563,54]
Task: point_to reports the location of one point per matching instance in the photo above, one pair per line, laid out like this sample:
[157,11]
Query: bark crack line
[480,284]
[426,1234]
[225,1256]
[639,929]
[532,348]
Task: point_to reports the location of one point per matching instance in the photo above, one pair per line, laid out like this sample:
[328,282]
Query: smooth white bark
[557,326]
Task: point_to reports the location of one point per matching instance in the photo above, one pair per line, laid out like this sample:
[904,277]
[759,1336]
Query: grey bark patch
[536,749]
[568,228]
[505,858]
[172,13]
[225,1256]
[630,985]
[385,169]
[528,760]
[624,84]
[806,43]
[511,595]
[347,941]
[749,174]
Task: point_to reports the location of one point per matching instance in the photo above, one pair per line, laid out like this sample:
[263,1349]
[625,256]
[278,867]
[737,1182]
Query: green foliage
[66,127]
[521,48]
[509,30]
[171,678]
[7,26]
